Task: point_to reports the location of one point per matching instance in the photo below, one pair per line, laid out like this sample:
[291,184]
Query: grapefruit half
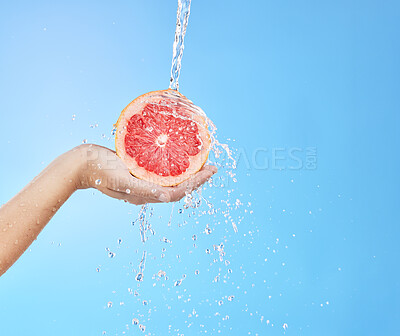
[162,137]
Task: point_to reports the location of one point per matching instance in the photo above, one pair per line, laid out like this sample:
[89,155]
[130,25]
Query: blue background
[317,248]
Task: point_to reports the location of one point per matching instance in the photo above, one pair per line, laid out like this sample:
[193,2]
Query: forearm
[86,166]
[27,213]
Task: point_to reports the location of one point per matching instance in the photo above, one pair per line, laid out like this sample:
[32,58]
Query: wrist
[83,157]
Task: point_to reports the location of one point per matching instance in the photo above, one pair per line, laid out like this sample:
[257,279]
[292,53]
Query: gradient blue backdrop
[320,250]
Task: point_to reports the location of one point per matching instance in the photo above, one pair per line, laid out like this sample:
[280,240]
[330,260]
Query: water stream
[182,19]
[195,205]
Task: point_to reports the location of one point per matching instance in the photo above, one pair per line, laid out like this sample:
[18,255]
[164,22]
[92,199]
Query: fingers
[133,199]
[122,196]
[178,192]
[138,191]
[212,168]
[132,186]
[152,191]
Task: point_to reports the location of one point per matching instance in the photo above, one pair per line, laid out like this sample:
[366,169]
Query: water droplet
[196,272]
[97,269]
[73,117]
[128,191]
[144,303]
[220,303]
[177,282]
[142,327]
[119,241]
[161,273]
[194,237]
[111,254]
[208,251]
[139,277]
[135,321]
[97,182]
[231,297]
[109,304]
[84,141]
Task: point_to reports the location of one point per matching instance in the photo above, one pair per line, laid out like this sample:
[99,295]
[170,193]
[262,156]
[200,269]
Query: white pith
[162,140]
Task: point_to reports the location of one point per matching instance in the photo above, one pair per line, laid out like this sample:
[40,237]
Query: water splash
[176,102]
[194,204]
[182,18]
[142,265]
[222,155]
[143,219]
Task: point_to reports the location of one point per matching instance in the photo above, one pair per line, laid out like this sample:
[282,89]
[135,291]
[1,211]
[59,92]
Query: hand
[102,169]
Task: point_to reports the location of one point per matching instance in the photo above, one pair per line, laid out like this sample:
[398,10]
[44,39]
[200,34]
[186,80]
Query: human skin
[86,166]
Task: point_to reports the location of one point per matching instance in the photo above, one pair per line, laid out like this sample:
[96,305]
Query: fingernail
[213,169]
[163,198]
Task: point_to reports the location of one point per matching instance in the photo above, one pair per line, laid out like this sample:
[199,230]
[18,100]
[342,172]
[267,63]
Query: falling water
[193,203]
[182,19]
[142,265]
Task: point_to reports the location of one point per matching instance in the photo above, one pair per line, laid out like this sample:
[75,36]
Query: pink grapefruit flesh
[162,138]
